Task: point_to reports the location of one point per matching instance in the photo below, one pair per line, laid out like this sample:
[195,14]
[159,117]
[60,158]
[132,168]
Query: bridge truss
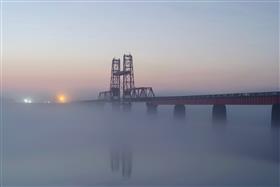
[127,90]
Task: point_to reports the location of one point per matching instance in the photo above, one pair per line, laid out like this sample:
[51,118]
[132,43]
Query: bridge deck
[260,98]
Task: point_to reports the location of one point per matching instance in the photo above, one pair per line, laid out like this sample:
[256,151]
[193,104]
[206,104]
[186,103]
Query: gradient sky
[178,48]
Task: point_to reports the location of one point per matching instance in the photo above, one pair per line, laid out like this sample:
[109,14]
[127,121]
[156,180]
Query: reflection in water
[121,159]
[244,151]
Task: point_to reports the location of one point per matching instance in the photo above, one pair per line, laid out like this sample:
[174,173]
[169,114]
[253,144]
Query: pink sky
[178,48]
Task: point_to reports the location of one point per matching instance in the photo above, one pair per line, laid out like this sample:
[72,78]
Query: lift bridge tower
[123,93]
[115,80]
[128,76]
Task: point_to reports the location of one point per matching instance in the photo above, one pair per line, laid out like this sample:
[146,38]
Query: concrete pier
[179,112]
[275,115]
[219,113]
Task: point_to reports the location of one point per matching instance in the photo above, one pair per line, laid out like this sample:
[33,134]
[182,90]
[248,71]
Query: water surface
[88,145]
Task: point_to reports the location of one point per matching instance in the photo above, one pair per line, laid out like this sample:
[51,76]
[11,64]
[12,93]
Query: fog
[89,144]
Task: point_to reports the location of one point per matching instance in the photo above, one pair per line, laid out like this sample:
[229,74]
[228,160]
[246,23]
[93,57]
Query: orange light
[61,98]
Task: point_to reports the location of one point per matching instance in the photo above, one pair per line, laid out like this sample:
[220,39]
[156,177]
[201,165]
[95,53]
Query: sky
[178,48]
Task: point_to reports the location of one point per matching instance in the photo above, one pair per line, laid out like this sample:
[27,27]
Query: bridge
[123,92]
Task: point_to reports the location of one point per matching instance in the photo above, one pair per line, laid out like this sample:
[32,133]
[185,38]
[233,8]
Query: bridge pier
[275,115]
[179,112]
[219,113]
[126,107]
[151,109]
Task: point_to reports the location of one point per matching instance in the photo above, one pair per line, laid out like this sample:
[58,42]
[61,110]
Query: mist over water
[86,144]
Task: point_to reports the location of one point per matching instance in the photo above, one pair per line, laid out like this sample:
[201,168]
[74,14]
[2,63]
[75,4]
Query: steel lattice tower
[128,75]
[128,89]
[115,79]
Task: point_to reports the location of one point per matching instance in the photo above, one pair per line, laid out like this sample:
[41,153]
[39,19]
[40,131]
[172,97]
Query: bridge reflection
[121,160]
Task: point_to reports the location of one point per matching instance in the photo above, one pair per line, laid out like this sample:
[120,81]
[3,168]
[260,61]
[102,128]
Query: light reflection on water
[77,145]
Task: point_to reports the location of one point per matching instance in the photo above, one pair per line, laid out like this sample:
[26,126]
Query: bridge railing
[236,98]
[146,94]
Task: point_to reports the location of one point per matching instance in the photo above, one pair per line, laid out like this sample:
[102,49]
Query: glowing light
[27,100]
[61,98]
